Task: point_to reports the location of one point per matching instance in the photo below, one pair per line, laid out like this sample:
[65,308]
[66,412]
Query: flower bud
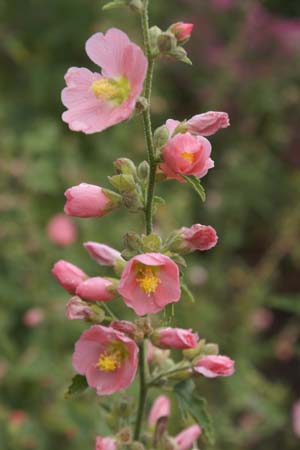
[77,309]
[160,408]
[136,6]
[211,349]
[68,275]
[143,170]
[182,31]
[144,325]
[96,289]
[161,136]
[123,182]
[86,200]
[125,166]
[174,338]
[166,42]
[124,436]
[212,366]
[124,326]
[154,33]
[199,237]
[180,54]
[61,230]
[187,437]
[208,123]
[141,105]
[102,254]
[156,355]
[194,352]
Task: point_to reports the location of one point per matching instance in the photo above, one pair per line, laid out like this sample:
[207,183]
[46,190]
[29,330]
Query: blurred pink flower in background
[262,319]
[197,275]
[98,101]
[223,5]
[187,437]
[33,317]
[61,230]
[160,408]
[105,443]
[296,418]
[17,417]
[107,358]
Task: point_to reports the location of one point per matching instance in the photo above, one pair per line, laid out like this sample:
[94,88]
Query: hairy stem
[143,393]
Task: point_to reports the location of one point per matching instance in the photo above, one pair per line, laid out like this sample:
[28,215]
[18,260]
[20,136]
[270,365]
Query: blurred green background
[246,62]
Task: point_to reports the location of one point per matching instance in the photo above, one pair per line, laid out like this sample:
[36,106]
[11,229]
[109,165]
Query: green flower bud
[166,42]
[125,166]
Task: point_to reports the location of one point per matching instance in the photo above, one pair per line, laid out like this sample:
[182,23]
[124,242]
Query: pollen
[188,156]
[114,91]
[147,279]
[109,362]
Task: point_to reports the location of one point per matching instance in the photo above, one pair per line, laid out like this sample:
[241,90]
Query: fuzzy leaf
[114,4]
[196,184]
[190,403]
[77,386]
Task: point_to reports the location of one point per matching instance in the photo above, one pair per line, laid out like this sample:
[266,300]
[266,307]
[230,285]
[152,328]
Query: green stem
[166,374]
[143,393]
[147,121]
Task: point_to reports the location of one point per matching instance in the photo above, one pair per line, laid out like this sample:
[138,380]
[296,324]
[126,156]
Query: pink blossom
[174,338]
[105,443]
[17,417]
[107,358]
[199,237]
[149,282]
[86,200]
[77,309]
[182,31]
[160,408]
[185,154]
[262,319]
[33,317]
[61,230]
[212,366]
[103,254]
[124,326]
[68,275]
[187,437]
[97,101]
[208,123]
[296,418]
[96,289]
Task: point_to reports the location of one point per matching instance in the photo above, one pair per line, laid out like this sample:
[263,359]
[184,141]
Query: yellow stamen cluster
[115,91]
[147,279]
[188,156]
[112,358]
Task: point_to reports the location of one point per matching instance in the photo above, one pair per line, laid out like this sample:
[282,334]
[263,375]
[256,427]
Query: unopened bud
[180,54]
[143,170]
[211,349]
[160,137]
[166,42]
[115,200]
[141,105]
[136,5]
[154,34]
[124,436]
[182,31]
[125,166]
[122,182]
[193,352]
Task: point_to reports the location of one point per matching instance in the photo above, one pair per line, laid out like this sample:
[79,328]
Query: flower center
[147,279]
[112,90]
[188,156]
[112,358]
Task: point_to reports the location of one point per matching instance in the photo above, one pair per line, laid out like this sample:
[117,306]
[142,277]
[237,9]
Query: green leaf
[114,4]
[196,183]
[288,303]
[190,403]
[77,386]
[187,293]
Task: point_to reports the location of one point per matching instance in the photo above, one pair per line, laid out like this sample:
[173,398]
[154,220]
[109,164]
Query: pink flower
[182,31]
[174,338]
[208,123]
[17,417]
[296,418]
[103,254]
[61,230]
[199,237]
[105,443]
[185,154]
[86,200]
[212,366]
[98,101]
[95,289]
[68,275]
[160,408]
[187,437]
[107,358]
[33,317]
[124,326]
[149,282]
[77,309]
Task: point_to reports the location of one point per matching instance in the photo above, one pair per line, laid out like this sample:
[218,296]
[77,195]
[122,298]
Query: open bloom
[105,443]
[102,254]
[160,408]
[187,437]
[68,275]
[61,230]
[185,154]
[199,237]
[212,366]
[208,123]
[174,338]
[96,289]
[107,358]
[77,309]
[86,200]
[149,282]
[98,101]
[182,31]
